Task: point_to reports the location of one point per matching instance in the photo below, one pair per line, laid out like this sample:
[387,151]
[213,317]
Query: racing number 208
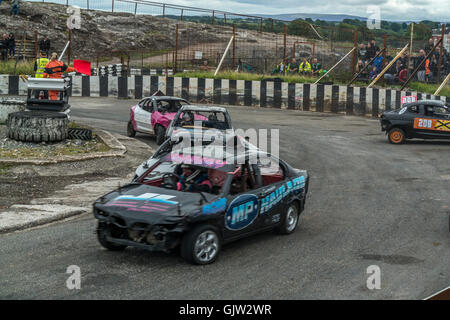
[424,123]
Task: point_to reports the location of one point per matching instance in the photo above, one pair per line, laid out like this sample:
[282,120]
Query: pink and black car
[153,115]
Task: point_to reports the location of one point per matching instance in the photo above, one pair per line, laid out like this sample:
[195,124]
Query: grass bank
[23,67]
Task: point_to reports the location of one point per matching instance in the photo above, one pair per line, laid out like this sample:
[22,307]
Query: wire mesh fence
[195,39]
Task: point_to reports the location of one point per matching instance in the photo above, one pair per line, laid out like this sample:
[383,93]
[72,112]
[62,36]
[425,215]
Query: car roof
[439,103]
[203,108]
[165,98]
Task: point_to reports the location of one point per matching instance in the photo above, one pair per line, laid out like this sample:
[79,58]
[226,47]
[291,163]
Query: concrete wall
[308,97]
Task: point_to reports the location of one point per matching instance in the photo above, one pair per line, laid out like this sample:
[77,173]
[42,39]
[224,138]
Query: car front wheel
[201,245]
[289,220]
[101,236]
[396,136]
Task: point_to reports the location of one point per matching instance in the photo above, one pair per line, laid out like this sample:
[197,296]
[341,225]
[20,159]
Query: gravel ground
[19,184]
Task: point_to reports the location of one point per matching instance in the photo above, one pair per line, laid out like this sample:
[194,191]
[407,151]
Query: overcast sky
[436,10]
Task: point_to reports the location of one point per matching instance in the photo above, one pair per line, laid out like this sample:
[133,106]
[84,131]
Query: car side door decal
[242,212]
[432,124]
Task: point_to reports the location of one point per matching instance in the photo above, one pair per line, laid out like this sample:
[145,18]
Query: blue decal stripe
[147,199]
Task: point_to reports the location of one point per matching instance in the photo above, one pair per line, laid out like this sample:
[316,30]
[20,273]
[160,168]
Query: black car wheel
[130,129]
[160,132]
[289,220]
[396,136]
[201,245]
[101,236]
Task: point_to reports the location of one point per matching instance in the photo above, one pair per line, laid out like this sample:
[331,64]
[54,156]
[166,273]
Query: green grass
[92,146]
[245,76]
[23,67]
[4,167]
[429,88]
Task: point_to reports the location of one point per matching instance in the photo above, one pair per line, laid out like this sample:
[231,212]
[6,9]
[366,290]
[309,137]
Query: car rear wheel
[201,245]
[396,136]
[130,130]
[289,220]
[101,236]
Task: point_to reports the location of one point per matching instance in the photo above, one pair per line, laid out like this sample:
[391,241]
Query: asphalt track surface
[370,203]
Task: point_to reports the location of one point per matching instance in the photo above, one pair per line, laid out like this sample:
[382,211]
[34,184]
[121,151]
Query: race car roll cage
[156,103]
[246,174]
[177,120]
[423,109]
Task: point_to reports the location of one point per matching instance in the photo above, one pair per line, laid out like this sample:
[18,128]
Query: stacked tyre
[37,126]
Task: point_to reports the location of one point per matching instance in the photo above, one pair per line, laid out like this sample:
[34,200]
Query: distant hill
[313,16]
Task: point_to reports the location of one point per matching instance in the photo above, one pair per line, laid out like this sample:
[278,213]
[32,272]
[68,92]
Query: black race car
[425,119]
[238,200]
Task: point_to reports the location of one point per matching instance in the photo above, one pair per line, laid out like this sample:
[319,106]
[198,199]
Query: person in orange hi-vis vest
[427,69]
[55,70]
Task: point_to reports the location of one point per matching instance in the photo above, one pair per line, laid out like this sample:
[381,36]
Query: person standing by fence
[12,45]
[305,67]
[44,45]
[422,70]
[15,6]
[39,69]
[4,46]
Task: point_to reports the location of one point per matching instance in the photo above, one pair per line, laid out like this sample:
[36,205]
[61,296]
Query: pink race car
[153,115]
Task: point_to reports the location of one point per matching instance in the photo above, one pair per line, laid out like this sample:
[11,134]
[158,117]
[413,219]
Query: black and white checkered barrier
[150,72]
[307,97]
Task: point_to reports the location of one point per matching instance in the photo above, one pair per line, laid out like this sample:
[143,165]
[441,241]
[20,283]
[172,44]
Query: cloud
[437,10]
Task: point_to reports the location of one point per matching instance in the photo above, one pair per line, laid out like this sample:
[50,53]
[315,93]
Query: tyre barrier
[80,134]
[37,126]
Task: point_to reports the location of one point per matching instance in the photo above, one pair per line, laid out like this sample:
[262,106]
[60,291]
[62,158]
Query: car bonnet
[149,204]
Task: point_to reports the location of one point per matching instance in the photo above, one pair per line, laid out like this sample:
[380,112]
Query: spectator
[378,62]
[433,66]
[240,66]
[362,52]
[388,56]
[402,75]
[12,45]
[375,48]
[44,45]
[404,60]
[422,70]
[398,67]
[279,68]
[316,68]
[204,67]
[15,6]
[359,67]
[293,66]
[4,46]
[389,75]
[373,74]
[304,67]
[429,46]
[369,52]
